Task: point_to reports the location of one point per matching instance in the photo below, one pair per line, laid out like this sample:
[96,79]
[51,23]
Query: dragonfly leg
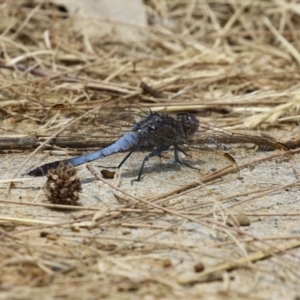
[156,152]
[120,164]
[176,151]
[124,159]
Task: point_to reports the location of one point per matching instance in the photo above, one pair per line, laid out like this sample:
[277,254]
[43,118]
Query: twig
[229,266]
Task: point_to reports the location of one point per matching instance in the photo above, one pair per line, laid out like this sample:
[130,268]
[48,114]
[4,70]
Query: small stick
[147,89]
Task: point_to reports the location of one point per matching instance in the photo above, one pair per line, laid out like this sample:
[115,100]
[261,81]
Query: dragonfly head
[189,123]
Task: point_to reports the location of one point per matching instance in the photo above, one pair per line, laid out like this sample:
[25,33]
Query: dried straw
[235,62]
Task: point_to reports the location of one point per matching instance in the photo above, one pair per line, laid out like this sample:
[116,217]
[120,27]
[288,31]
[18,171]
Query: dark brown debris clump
[107,174]
[63,185]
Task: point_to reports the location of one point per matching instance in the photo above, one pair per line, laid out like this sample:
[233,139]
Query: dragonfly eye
[189,123]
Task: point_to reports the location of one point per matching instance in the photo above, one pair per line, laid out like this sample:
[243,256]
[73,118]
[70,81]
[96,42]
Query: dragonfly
[146,136]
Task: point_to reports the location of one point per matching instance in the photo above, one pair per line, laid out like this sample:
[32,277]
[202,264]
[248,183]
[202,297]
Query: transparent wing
[98,127]
[216,137]
[101,126]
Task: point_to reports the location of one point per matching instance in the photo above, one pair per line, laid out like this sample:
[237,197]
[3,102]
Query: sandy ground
[165,248]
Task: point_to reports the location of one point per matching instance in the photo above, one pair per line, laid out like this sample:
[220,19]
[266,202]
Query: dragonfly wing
[98,127]
[216,137]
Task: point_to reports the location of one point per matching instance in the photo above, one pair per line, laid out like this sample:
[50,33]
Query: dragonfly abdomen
[127,142]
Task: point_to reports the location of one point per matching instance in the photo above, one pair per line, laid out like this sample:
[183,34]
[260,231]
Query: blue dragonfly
[136,130]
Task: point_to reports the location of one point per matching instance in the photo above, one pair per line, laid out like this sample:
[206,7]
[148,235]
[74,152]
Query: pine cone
[63,185]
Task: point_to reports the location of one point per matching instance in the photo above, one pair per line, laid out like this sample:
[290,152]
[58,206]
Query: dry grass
[235,62]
